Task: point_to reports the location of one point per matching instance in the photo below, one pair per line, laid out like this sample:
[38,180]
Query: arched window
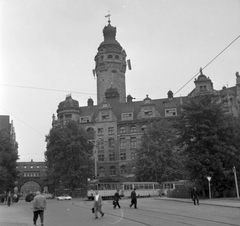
[123,170]
[133,129]
[117,57]
[112,170]
[101,172]
[91,132]
[143,128]
[122,129]
[110,56]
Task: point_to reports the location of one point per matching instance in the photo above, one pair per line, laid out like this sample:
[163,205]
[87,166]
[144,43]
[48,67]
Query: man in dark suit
[134,198]
[195,196]
[116,200]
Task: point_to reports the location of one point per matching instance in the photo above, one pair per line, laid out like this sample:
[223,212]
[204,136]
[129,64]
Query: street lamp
[209,186]
[95,150]
[236,183]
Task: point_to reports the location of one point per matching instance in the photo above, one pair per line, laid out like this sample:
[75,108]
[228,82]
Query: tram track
[172,215]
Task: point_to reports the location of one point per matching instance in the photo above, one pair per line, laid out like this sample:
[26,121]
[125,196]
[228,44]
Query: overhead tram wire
[54,90]
[209,62]
[22,122]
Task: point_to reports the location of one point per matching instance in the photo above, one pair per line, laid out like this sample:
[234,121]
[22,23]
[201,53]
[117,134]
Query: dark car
[29,197]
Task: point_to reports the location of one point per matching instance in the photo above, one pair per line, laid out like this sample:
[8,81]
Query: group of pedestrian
[97,203]
[7,198]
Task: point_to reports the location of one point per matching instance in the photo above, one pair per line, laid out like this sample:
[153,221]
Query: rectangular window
[110,130]
[171,112]
[101,158]
[111,157]
[123,156]
[127,116]
[100,131]
[122,143]
[133,142]
[133,155]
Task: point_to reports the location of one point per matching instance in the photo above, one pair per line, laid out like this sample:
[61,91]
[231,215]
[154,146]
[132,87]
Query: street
[150,212]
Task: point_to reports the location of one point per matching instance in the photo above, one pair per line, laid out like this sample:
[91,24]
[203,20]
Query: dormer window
[105,118]
[170,112]
[84,119]
[127,116]
[148,114]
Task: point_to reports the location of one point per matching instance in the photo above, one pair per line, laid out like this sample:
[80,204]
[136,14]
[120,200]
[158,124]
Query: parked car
[63,197]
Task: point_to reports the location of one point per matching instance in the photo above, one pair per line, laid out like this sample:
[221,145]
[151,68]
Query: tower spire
[109,21]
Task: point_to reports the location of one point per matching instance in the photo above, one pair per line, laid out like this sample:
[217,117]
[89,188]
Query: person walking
[97,204]
[195,196]
[116,199]
[9,198]
[39,205]
[134,198]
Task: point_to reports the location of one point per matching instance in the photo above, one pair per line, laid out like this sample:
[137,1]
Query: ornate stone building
[117,120]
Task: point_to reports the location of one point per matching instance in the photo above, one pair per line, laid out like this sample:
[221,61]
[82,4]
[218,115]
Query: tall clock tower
[110,65]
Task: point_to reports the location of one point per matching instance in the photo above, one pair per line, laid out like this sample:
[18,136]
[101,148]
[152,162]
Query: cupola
[90,102]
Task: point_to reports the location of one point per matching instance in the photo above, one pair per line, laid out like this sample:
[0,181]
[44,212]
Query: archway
[30,186]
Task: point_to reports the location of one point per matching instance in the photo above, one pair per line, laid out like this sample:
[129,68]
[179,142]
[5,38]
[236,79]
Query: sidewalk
[225,202]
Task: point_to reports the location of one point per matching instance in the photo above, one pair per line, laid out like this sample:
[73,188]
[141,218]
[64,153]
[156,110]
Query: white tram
[108,189]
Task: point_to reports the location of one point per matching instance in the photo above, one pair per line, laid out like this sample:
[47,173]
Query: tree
[68,156]
[8,160]
[158,158]
[211,144]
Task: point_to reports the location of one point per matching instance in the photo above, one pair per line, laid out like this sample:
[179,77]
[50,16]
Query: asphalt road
[150,212]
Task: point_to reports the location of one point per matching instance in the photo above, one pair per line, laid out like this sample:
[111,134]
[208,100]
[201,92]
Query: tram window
[136,186]
[146,186]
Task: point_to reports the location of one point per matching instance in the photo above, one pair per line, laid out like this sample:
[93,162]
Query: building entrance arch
[30,186]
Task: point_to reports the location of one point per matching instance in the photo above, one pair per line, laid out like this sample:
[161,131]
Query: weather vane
[108,17]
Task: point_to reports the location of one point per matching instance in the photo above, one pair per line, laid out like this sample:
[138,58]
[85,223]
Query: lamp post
[95,151]
[236,183]
[209,186]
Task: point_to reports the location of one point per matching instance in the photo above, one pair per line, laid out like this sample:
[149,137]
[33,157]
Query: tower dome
[109,32]
[68,109]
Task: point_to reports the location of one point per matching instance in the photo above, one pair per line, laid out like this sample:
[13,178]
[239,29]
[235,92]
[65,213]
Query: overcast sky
[51,44]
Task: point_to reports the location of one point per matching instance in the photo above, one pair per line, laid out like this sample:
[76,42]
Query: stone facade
[118,122]
[32,176]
